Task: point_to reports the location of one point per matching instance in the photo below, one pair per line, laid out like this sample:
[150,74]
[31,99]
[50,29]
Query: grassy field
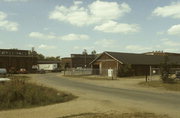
[160,84]
[112,115]
[19,93]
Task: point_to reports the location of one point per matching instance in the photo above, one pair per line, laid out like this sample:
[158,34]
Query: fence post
[146,76]
[150,73]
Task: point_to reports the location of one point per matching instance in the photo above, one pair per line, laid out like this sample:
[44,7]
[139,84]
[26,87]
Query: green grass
[159,84]
[18,93]
[112,115]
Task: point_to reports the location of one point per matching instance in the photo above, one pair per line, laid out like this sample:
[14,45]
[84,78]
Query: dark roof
[141,59]
[82,56]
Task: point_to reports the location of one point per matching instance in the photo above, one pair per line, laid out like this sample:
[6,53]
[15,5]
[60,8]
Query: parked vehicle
[41,71]
[56,70]
[177,74]
[47,67]
[22,71]
[3,71]
[3,80]
[13,70]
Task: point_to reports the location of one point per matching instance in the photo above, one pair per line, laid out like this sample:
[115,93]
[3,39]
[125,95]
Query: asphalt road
[168,100]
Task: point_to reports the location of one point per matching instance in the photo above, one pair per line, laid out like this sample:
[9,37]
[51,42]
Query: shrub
[18,93]
[165,71]
[125,70]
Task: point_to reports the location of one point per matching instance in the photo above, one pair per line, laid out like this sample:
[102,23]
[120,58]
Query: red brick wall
[106,62]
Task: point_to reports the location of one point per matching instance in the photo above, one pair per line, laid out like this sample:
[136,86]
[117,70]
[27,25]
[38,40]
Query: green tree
[52,58]
[40,57]
[84,52]
[165,70]
[125,70]
[93,52]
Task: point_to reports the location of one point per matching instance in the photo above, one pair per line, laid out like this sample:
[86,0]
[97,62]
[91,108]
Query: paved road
[168,100]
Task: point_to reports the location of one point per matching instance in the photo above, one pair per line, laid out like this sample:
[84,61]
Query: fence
[155,73]
[110,73]
[82,71]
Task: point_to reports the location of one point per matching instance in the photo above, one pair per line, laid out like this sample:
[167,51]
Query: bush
[125,70]
[18,93]
[165,71]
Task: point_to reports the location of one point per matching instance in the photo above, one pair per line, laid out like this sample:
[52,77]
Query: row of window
[13,53]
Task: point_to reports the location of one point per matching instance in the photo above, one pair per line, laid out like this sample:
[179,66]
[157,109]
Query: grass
[160,84]
[19,93]
[112,115]
[100,77]
[90,77]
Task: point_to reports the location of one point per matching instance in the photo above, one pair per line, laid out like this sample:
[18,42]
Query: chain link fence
[155,73]
[81,71]
[110,73]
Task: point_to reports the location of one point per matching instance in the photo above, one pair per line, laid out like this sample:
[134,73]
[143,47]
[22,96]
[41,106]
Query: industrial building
[14,60]
[140,63]
[78,61]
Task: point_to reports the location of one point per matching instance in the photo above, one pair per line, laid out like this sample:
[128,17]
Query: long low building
[140,63]
[14,59]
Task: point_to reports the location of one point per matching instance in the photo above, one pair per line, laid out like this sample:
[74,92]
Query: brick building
[78,61]
[14,59]
[140,63]
[66,62]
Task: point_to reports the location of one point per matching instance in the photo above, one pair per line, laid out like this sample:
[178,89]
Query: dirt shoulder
[131,83]
[87,102]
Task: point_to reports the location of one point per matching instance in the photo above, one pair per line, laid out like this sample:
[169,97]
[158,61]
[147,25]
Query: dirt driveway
[88,101]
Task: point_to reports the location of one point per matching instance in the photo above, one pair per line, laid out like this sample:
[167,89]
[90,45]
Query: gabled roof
[48,62]
[139,59]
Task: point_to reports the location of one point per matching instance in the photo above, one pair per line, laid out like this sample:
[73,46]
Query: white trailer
[47,67]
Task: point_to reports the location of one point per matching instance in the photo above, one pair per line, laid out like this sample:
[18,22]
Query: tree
[40,57]
[84,52]
[125,70]
[52,58]
[93,52]
[165,70]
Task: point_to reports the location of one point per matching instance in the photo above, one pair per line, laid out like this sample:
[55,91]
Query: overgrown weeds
[18,93]
[115,115]
[159,84]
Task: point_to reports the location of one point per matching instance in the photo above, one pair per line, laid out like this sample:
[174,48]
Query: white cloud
[97,12]
[46,47]
[14,0]
[75,37]
[68,37]
[172,10]
[174,30]
[39,35]
[78,2]
[83,47]
[170,43]
[106,43]
[3,15]
[137,48]
[114,27]
[7,25]
[161,32]
[171,50]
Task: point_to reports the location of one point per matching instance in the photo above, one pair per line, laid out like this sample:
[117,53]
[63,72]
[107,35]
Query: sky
[63,27]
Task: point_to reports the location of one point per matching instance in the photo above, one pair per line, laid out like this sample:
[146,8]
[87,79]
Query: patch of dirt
[114,115]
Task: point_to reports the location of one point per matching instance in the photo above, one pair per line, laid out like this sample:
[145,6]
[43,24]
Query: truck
[47,67]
